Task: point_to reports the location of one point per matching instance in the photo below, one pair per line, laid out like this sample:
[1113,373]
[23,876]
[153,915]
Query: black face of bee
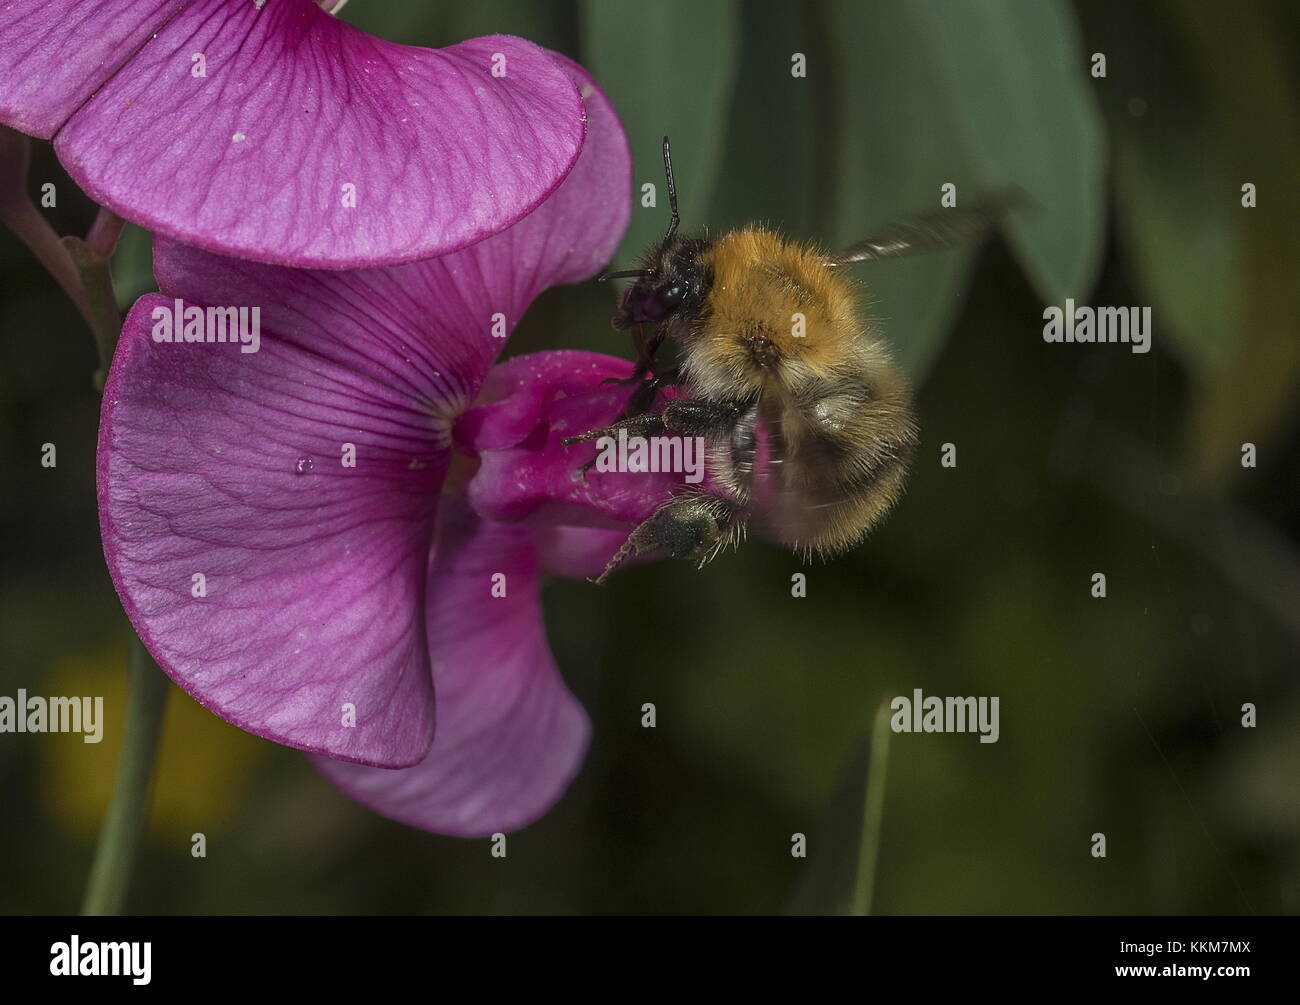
[674,281]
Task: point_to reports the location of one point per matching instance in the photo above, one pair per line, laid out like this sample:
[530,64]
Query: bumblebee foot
[636,378]
[693,527]
[636,425]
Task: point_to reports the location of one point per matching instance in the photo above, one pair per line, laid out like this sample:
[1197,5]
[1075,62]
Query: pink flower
[322,602]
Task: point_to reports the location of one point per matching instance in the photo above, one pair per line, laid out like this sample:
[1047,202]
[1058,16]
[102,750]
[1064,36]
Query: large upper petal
[255,158]
[510,734]
[315,593]
[55,55]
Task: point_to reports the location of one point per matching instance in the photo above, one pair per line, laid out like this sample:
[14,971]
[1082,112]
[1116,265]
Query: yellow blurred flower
[204,763]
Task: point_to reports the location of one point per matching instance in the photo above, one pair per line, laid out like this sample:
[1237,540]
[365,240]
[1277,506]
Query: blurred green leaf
[410,24]
[1016,79]
[132,266]
[772,149]
[1247,71]
[1199,102]
[1180,225]
[873,810]
[669,68]
[843,858]
[895,145]
[552,25]
[827,884]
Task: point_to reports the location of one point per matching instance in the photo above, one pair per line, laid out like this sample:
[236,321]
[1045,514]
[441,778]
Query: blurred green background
[1119,715]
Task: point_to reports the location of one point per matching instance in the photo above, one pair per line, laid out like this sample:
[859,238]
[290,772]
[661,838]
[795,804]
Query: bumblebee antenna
[672,192]
[673,221]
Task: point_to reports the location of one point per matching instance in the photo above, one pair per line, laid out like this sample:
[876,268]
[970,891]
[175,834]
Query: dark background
[1119,715]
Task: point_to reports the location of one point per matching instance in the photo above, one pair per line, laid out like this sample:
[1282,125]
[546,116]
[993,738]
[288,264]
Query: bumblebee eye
[669,297]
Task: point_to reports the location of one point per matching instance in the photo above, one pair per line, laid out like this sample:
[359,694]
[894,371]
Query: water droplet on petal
[304,466]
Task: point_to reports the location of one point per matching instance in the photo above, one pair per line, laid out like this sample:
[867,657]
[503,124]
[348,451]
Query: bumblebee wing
[933,231]
[789,480]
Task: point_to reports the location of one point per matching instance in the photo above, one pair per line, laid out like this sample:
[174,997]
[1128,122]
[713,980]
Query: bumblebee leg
[691,416]
[701,416]
[643,398]
[647,347]
[694,527]
[636,425]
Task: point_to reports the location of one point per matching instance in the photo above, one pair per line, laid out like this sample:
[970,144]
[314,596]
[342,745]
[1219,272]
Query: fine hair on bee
[808,422]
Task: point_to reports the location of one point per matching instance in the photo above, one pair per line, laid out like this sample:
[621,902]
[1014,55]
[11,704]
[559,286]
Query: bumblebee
[808,422]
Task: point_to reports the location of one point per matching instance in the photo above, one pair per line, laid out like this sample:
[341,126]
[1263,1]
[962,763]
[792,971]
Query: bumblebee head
[672,279]
[672,284]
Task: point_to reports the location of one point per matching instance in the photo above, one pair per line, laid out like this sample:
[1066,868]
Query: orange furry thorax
[774,302]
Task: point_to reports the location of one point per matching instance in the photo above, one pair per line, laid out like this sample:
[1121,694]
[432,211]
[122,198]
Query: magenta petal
[526,472]
[311,143]
[518,392]
[229,466]
[54,55]
[510,736]
[574,233]
[438,314]
[422,329]
[577,552]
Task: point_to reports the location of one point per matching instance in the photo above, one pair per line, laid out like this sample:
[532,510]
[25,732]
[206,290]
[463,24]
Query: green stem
[81,267]
[128,810]
[873,812]
[97,282]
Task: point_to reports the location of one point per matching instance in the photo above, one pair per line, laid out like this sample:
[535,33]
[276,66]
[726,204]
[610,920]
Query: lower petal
[510,735]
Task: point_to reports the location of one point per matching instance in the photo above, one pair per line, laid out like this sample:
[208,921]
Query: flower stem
[873,811]
[97,283]
[128,810]
[81,267]
[20,215]
[105,232]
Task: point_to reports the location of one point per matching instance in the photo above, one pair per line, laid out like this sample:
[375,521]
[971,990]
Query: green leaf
[1178,222]
[669,67]
[1219,276]
[826,885]
[548,24]
[132,266]
[772,148]
[1016,79]
[894,145]
[844,854]
[1176,219]
[409,24]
